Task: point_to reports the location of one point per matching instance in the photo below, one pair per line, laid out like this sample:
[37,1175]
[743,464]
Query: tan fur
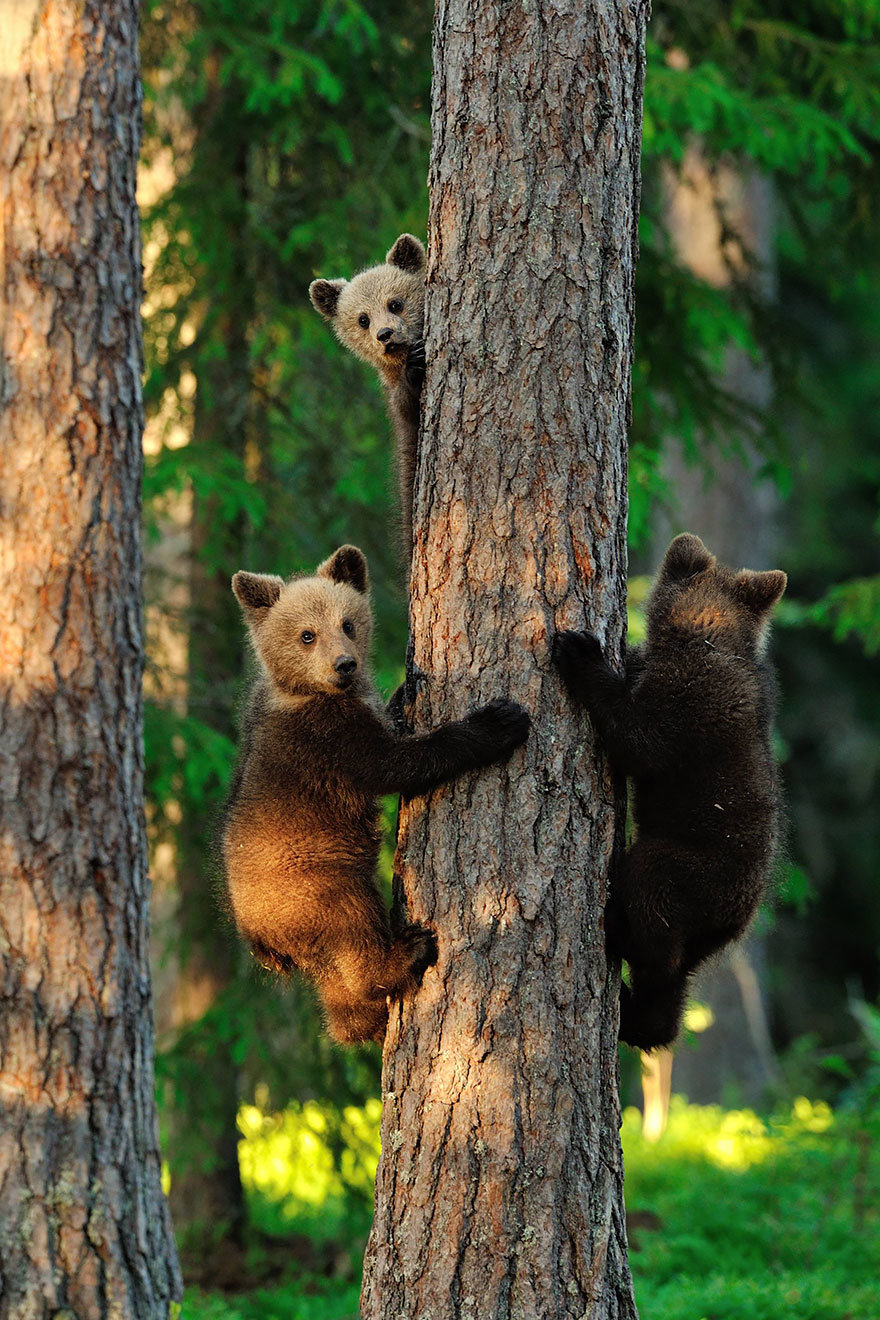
[368,294]
[321,607]
[300,874]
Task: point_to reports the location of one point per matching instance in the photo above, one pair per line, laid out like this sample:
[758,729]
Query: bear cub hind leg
[355,989]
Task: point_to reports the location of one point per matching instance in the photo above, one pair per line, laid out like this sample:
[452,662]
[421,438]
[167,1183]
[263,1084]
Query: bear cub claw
[415,364]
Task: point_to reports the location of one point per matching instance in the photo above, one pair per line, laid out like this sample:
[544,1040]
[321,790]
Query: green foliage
[309,1298]
[849,610]
[776,130]
[218,477]
[311,1167]
[794,96]
[185,759]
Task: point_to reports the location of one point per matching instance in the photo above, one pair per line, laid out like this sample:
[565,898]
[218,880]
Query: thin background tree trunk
[718,220]
[207,1198]
[84,1228]
[500,1188]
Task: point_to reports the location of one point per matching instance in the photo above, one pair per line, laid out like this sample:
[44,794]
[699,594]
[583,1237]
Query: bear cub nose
[346,664]
[384,335]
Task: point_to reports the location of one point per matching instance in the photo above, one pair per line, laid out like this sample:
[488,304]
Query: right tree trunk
[500,1188]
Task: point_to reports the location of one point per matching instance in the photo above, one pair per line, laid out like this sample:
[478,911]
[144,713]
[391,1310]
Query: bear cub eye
[364,321]
[307,637]
[348,627]
[396,306]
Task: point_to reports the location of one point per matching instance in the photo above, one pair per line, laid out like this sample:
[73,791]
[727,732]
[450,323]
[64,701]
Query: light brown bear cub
[301,835]
[380,315]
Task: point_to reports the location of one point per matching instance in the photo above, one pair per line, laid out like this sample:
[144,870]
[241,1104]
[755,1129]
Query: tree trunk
[206,1192]
[500,1188]
[84,1227]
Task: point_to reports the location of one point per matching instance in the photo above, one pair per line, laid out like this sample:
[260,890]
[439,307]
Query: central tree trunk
[500,1188]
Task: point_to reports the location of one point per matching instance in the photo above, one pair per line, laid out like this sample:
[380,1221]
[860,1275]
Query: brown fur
[398,358]
[690,722]
[301,835]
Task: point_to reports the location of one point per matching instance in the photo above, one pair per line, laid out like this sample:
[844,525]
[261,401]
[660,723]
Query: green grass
[752,1218]
[302,1299]
[755,1218]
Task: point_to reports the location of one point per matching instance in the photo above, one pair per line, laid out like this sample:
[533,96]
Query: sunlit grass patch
[730,1139]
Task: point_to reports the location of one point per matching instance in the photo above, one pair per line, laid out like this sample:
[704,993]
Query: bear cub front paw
[503,724]
[573,652]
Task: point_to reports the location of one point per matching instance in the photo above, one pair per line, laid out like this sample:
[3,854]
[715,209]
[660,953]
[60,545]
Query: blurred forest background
[287,139]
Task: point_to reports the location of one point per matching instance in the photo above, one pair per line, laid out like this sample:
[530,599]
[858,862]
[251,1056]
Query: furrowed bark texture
[500,1188]
[84,1227]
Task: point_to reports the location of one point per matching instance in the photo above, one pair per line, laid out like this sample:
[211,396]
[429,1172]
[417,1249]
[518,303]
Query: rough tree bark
[500,1188]
[84,1227]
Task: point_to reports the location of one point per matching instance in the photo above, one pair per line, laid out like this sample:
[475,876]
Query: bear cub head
[311,634]
[695,597]
[380,313]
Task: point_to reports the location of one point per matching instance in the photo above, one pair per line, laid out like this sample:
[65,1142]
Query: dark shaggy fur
[301,836]
[690,722]
[379,315]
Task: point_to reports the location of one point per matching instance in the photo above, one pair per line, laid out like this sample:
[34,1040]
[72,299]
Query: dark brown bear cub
[301,834]
[690,723]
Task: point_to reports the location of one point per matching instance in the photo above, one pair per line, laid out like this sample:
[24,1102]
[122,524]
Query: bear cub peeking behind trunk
[690,723]
[380,316]
[301,833]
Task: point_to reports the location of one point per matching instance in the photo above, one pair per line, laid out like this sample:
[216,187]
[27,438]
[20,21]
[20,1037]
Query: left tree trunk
[84,1226]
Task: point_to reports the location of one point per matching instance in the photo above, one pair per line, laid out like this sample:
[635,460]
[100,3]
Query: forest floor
[732,1216]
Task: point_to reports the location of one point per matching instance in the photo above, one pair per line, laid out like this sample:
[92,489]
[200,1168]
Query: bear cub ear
[685,556]
[256,592]
[347,564]
[325,296]
[408,254]
[760,591]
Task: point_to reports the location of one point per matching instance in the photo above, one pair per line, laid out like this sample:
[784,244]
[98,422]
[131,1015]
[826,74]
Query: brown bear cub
[301,833]
[690,723]
[380,316]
